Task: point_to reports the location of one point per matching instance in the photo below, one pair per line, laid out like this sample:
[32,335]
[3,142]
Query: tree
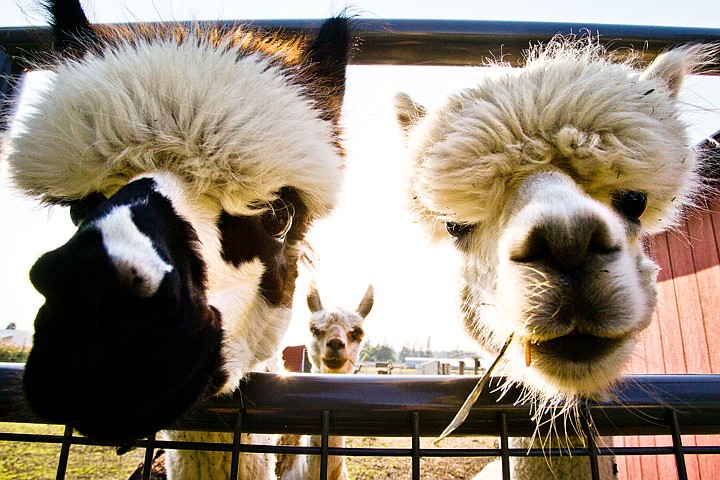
[379,353]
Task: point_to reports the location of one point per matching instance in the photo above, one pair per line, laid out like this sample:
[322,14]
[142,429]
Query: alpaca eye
[81,209]
[458,229]
[631,204]
[315,331]
[357,334]
[278,219]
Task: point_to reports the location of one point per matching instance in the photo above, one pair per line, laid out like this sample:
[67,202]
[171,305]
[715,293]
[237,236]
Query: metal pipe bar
[677,445]
[64,453]
[585,421]
[149,456]
[415,446]
[324,445]
[375,451]
[433,42]
[237,441]
[293,403]
[504,447]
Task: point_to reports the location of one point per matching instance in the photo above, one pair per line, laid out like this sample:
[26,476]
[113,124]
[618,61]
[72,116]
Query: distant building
[18,338]
[295,359]
[412,362]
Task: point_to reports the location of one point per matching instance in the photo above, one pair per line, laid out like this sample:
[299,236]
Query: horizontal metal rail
[407,406]
[436,42]
[366,405]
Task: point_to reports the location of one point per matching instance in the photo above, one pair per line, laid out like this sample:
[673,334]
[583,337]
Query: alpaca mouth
[334,363]
[577,347]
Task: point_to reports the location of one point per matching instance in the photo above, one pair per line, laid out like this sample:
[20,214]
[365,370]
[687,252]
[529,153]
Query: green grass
[11,353]
[38,461]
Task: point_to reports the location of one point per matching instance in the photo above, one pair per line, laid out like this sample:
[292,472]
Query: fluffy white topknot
[237,128]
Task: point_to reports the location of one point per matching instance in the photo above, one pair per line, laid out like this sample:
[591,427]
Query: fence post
[237,440]
[677,445]
[149,456]
[324,445]
[64,453]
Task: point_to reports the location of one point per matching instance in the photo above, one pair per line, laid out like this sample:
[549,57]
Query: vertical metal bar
[415,446]
[504,447]
[324,445]
[585,420]
[10,79]
[677,446]
[64,453]
[237,441]
[149,457]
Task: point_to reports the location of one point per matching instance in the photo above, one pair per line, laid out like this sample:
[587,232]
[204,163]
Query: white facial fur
[337,334]
[532,165]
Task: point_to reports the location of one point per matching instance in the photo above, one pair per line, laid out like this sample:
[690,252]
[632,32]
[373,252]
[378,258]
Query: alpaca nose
[566,243]
[335,344]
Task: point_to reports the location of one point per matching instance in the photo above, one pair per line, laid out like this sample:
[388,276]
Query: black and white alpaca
[337,336]
[193,161]
[548,181]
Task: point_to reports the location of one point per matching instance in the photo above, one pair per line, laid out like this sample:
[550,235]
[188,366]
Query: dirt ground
[431,468]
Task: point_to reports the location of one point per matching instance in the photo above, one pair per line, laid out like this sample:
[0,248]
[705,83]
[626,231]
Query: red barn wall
[684,335]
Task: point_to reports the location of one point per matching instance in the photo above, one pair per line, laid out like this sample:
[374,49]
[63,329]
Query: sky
[371,238]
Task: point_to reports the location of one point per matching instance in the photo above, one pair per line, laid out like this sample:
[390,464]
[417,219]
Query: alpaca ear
[313,299]
[71,28]
[672,66]
[366,303]
[407,112]
[328,55]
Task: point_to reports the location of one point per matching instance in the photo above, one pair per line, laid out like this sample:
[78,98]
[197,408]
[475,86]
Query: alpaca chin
[571,284]
[554,377]
[333,365]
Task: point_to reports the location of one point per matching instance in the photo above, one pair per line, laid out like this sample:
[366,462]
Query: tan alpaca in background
[337,335]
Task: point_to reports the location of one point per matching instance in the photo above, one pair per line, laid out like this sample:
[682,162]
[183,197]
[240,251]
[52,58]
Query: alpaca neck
[558,468]
[336,469]
[207,465]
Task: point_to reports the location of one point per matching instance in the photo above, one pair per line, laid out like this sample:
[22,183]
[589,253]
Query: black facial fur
[71,27]
[244,238]
[114,364]
[81,209]
[117,361]
[329,54]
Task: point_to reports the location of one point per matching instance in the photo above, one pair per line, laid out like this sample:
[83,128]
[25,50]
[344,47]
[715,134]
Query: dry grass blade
[472,398]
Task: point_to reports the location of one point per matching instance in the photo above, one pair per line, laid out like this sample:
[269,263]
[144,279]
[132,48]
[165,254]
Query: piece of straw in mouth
[528,353]
[472,398]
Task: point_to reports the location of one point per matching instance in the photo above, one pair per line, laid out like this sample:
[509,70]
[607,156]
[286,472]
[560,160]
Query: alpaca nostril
[566,244]
[335,344]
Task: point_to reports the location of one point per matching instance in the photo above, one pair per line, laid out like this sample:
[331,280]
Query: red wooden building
[685,336]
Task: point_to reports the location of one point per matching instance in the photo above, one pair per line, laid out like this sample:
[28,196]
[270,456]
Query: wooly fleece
[235,127]
[608,125]
[520,167]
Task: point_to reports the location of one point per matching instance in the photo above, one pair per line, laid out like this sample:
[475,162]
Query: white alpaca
[334,348]
[548,181]
[194,160]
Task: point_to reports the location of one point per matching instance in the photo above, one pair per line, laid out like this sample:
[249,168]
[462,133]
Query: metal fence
[410,406]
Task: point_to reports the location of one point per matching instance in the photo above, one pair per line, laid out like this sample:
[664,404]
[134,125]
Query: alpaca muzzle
[115,358]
